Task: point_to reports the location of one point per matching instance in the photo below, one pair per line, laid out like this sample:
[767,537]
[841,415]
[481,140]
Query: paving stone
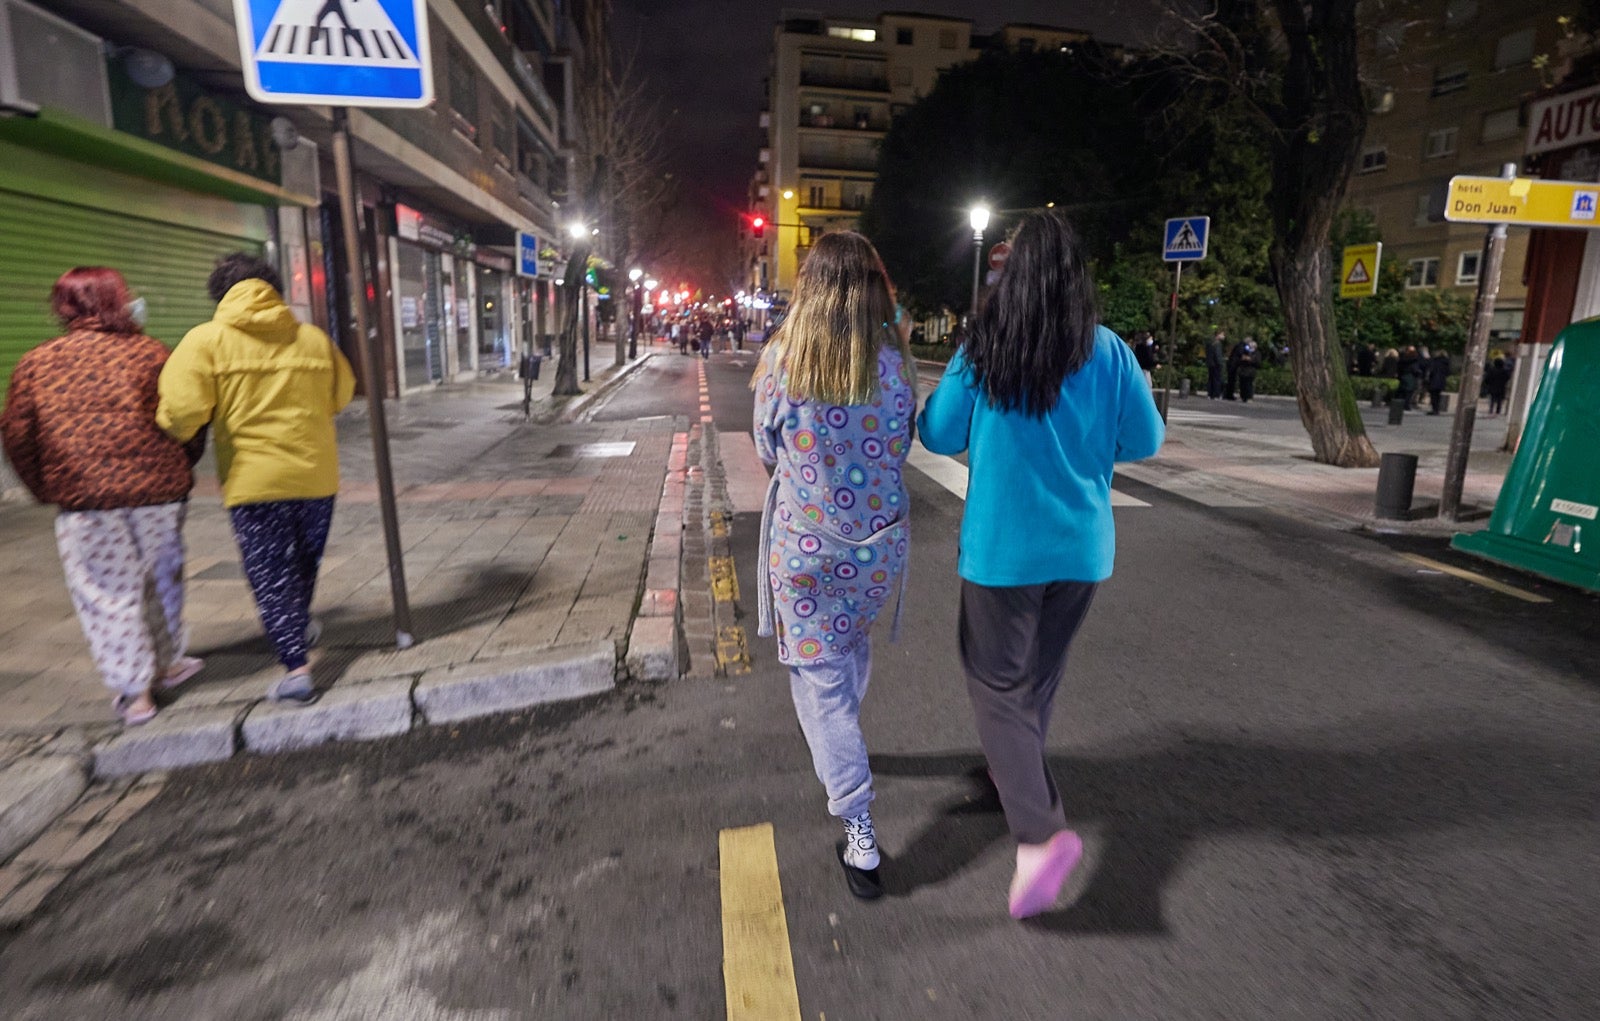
[178,737]
[33,793]
[352,711]
[502,685]
[25,899]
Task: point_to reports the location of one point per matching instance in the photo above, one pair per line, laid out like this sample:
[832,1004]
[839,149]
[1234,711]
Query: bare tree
[1292,67]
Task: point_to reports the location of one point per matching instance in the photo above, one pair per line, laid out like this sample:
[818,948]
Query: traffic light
[758,226]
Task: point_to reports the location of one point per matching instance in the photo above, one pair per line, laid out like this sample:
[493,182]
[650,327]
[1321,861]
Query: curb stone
[653,649]
[483,688]
[33,792]
[576,405]
[354,711]
[177,737]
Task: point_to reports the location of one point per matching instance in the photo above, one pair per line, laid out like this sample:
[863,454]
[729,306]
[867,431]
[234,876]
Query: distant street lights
[978,216]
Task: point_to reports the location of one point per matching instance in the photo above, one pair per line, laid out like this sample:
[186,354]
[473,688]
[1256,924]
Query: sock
[860,842]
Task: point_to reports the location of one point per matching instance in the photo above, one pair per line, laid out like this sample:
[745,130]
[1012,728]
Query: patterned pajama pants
[281,544]
[124,571]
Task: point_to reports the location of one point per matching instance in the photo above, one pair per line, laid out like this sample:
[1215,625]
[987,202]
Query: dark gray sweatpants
[1014,644]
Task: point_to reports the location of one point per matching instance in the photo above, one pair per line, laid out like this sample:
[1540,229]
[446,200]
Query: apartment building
[126,139]
[835,86]
[1451,80]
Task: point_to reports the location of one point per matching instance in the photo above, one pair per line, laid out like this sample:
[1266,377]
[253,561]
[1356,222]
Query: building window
[1424,213]
[1440,143]
[501,143]
[1027,44]
[816,196]
[860,35]
[1382,99]
[1459,12]
[1448,79]
[1422,273]
[1391,36]
[1502,124]
[905,36]
[463,92]
[1467,268]
[1513,50]
[1374,159]
[947,38]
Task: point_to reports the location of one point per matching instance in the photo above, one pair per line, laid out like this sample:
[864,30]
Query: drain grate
[575,450]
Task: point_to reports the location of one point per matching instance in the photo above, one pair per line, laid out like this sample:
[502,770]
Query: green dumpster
[1545,519]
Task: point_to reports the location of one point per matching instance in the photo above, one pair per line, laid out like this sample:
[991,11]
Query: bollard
[1397,410]
[1397,480]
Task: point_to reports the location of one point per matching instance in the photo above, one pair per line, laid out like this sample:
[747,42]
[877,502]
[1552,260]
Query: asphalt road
[1314,782]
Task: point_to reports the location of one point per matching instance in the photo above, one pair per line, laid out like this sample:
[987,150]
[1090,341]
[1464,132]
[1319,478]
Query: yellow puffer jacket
[269,386]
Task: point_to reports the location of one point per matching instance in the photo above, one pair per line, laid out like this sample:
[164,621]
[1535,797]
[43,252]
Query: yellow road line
[1475,578]
[724,582]
[733,651]
[757,965]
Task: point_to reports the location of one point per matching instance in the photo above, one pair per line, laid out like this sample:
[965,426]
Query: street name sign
[335,52]
[527,254]
[1186,238]
[1358,276]
[1523,201]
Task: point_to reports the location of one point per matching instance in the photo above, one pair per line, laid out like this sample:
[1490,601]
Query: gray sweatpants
[1014,644]
[827,700]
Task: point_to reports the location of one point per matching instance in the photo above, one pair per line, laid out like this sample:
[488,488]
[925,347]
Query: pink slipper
[129,718]
[182,668]
[1039,891]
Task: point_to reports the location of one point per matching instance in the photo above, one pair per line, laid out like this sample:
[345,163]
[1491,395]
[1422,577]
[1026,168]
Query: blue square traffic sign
[1186,238]
[336,52]
[527,254]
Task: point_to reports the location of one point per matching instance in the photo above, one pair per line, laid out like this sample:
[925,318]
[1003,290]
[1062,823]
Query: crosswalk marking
[952,475]
[757,963]
[356,32]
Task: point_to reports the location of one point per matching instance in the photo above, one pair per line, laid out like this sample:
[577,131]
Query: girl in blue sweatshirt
[1044,401]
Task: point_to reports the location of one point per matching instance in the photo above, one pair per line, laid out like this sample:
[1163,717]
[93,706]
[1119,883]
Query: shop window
[1467,268]
[1440,143]
[1374,159]
[905,36]
[463,91]
[1513,50]
[1449,78]
[1422,273]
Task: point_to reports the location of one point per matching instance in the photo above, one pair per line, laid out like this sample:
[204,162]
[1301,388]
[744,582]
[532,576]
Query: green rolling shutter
[41,238]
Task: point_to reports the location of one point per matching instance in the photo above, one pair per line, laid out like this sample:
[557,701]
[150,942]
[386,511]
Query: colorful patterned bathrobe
[835,529]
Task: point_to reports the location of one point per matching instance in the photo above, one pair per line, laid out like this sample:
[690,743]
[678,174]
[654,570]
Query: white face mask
[138,311]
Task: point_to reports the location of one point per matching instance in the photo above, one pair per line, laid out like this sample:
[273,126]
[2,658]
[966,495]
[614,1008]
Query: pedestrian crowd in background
[106,425]
[1044,401]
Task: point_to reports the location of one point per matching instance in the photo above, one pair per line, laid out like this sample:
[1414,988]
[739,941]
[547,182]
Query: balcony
[854,162]
[874,125]
[821,78]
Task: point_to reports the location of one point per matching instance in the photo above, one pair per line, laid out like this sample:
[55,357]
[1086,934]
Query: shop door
[494,340]
[165,264]
[461,315]
[434,320]
[418,297]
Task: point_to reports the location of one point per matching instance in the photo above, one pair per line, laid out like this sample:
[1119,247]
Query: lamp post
[978,216]
[634,276]
[580,234]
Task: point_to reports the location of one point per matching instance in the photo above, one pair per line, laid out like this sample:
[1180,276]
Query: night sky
[703,62]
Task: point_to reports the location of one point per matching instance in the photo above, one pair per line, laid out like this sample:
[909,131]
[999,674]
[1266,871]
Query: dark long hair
[1037,328]
[93,298]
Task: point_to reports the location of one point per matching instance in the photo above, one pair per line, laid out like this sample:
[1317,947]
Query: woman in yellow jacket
[269,387]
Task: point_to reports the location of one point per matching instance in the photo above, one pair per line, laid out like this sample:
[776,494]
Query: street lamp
[978,216]
[577,230]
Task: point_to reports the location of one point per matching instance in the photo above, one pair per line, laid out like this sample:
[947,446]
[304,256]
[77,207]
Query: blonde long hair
[843,309]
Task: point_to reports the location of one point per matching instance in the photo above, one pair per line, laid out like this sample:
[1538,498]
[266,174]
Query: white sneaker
[313,632]
[861,843]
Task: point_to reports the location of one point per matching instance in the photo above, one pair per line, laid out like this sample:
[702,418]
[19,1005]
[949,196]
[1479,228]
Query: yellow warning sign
[1358,278]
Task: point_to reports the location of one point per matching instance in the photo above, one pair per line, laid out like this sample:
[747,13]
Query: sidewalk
[1238,456]
[526,546]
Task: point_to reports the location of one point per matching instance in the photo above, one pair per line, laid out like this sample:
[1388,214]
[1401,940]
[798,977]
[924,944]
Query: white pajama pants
[124,571]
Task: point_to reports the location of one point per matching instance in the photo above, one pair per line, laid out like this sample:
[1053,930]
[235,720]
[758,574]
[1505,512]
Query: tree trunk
[566,384]
[1327,402]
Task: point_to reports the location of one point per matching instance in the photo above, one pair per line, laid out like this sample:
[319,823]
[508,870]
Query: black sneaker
[864,883]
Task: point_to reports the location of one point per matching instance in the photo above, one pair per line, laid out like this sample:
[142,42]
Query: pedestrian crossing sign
[1358,275]
[335,52]
[1186,238]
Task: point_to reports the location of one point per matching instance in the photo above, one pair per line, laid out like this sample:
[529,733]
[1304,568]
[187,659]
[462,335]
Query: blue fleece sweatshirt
[1039,489]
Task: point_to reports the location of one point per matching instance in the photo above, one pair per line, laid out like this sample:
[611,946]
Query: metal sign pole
[372,369]
[1172,341]
[1455,465]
